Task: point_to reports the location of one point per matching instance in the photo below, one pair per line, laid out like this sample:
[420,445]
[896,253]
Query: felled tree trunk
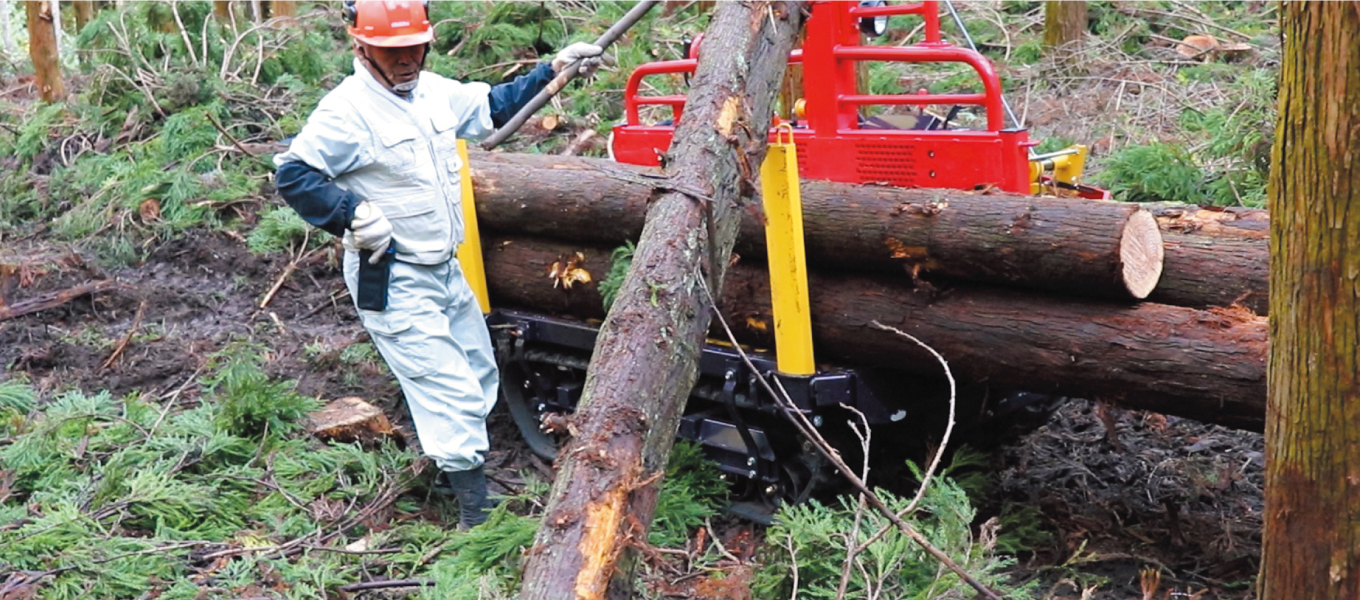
[645,358]
[1067,245]
[1205,271]
[1205,365]
[42,48]
[1215,256]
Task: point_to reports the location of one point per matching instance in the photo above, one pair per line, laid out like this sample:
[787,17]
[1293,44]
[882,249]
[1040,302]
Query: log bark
[1311,542]
[645,358]
[1215,256]
[1207,271]
[1072,246]
[1206,365]
[42,48]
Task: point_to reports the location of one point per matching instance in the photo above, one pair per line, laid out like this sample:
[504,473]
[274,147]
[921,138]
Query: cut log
[645,358]
[1072,246]
[1215,256]
[1214,221]
[1202,364]
[1203,271]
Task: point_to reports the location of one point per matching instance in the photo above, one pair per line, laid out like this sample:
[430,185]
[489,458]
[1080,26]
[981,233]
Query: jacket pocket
[398,151]
[417,225]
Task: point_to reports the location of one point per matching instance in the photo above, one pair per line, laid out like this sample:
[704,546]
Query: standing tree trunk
[42,47]
[1064,25]
[222,10]
[646,355]
[1311,544]
[283,8]
[84,13]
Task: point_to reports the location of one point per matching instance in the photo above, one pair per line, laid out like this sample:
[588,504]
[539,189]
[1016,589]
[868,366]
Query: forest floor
[1107,503]
[1113,496]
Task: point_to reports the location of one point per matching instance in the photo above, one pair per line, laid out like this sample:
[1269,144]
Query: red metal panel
[831,145]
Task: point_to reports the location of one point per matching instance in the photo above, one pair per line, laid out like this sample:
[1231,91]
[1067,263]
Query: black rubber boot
[469,487]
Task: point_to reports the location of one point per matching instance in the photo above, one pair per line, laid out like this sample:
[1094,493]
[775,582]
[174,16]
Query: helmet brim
[396,41]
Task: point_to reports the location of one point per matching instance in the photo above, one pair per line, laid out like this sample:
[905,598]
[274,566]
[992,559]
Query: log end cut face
[1141,254]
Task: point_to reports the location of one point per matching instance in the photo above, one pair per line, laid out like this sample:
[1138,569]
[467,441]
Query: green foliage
[121,496]
[17,395]
[279,229]
[1168,172]
[691,492]
[619,261]
[1153,173]
[484,560]
[1021,529]
[252,404]
[813,539]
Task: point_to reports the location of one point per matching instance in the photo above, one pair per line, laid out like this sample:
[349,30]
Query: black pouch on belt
[373,279]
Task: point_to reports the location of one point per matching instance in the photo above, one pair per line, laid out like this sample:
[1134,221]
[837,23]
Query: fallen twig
[122,344]
[288,270]
[55,299]
[230,137]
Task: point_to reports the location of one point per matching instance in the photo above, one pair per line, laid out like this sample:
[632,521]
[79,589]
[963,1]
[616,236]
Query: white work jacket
[399,154]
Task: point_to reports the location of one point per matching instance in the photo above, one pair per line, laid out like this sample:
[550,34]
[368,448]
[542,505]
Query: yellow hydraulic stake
[788,261]
[470,251]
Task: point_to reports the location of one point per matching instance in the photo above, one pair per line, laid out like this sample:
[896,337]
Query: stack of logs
[1156,307]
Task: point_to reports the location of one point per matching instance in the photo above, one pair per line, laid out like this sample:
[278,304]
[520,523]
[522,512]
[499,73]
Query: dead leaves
[1206,46]
[568,271]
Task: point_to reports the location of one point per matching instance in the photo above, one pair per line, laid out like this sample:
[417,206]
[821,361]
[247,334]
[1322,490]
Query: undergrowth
[806,548]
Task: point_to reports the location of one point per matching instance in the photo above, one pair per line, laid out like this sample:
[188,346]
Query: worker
[377,165]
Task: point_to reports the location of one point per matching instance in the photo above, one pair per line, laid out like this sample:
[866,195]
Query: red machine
[834,140]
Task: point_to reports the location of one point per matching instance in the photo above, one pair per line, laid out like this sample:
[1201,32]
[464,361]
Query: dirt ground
[1121,495]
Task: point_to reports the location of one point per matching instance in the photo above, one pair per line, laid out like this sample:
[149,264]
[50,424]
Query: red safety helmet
[389,23]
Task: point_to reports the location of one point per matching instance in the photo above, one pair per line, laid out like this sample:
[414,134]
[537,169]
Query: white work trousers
[435,340]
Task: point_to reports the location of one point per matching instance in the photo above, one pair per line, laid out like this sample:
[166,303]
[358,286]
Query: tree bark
[1073,246]
[1206,271]
[644,361]
[283,8]
[1311,544]
[222,10]
[1215,256]
[1064,26]
[42,47]
[1205,365]
[84,13]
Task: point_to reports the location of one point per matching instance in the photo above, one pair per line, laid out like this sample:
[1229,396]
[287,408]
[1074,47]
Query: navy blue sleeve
[315,197]
[507,98]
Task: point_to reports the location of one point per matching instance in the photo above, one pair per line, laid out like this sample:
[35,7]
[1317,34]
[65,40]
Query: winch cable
[968,38]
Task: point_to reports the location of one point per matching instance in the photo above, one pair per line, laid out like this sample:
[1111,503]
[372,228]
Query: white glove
[371,230]
[590,55]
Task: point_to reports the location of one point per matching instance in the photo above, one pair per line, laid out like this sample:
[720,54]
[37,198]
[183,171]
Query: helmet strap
[373,66]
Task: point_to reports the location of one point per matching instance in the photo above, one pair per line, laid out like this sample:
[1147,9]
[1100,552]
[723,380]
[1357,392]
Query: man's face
[400,65]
